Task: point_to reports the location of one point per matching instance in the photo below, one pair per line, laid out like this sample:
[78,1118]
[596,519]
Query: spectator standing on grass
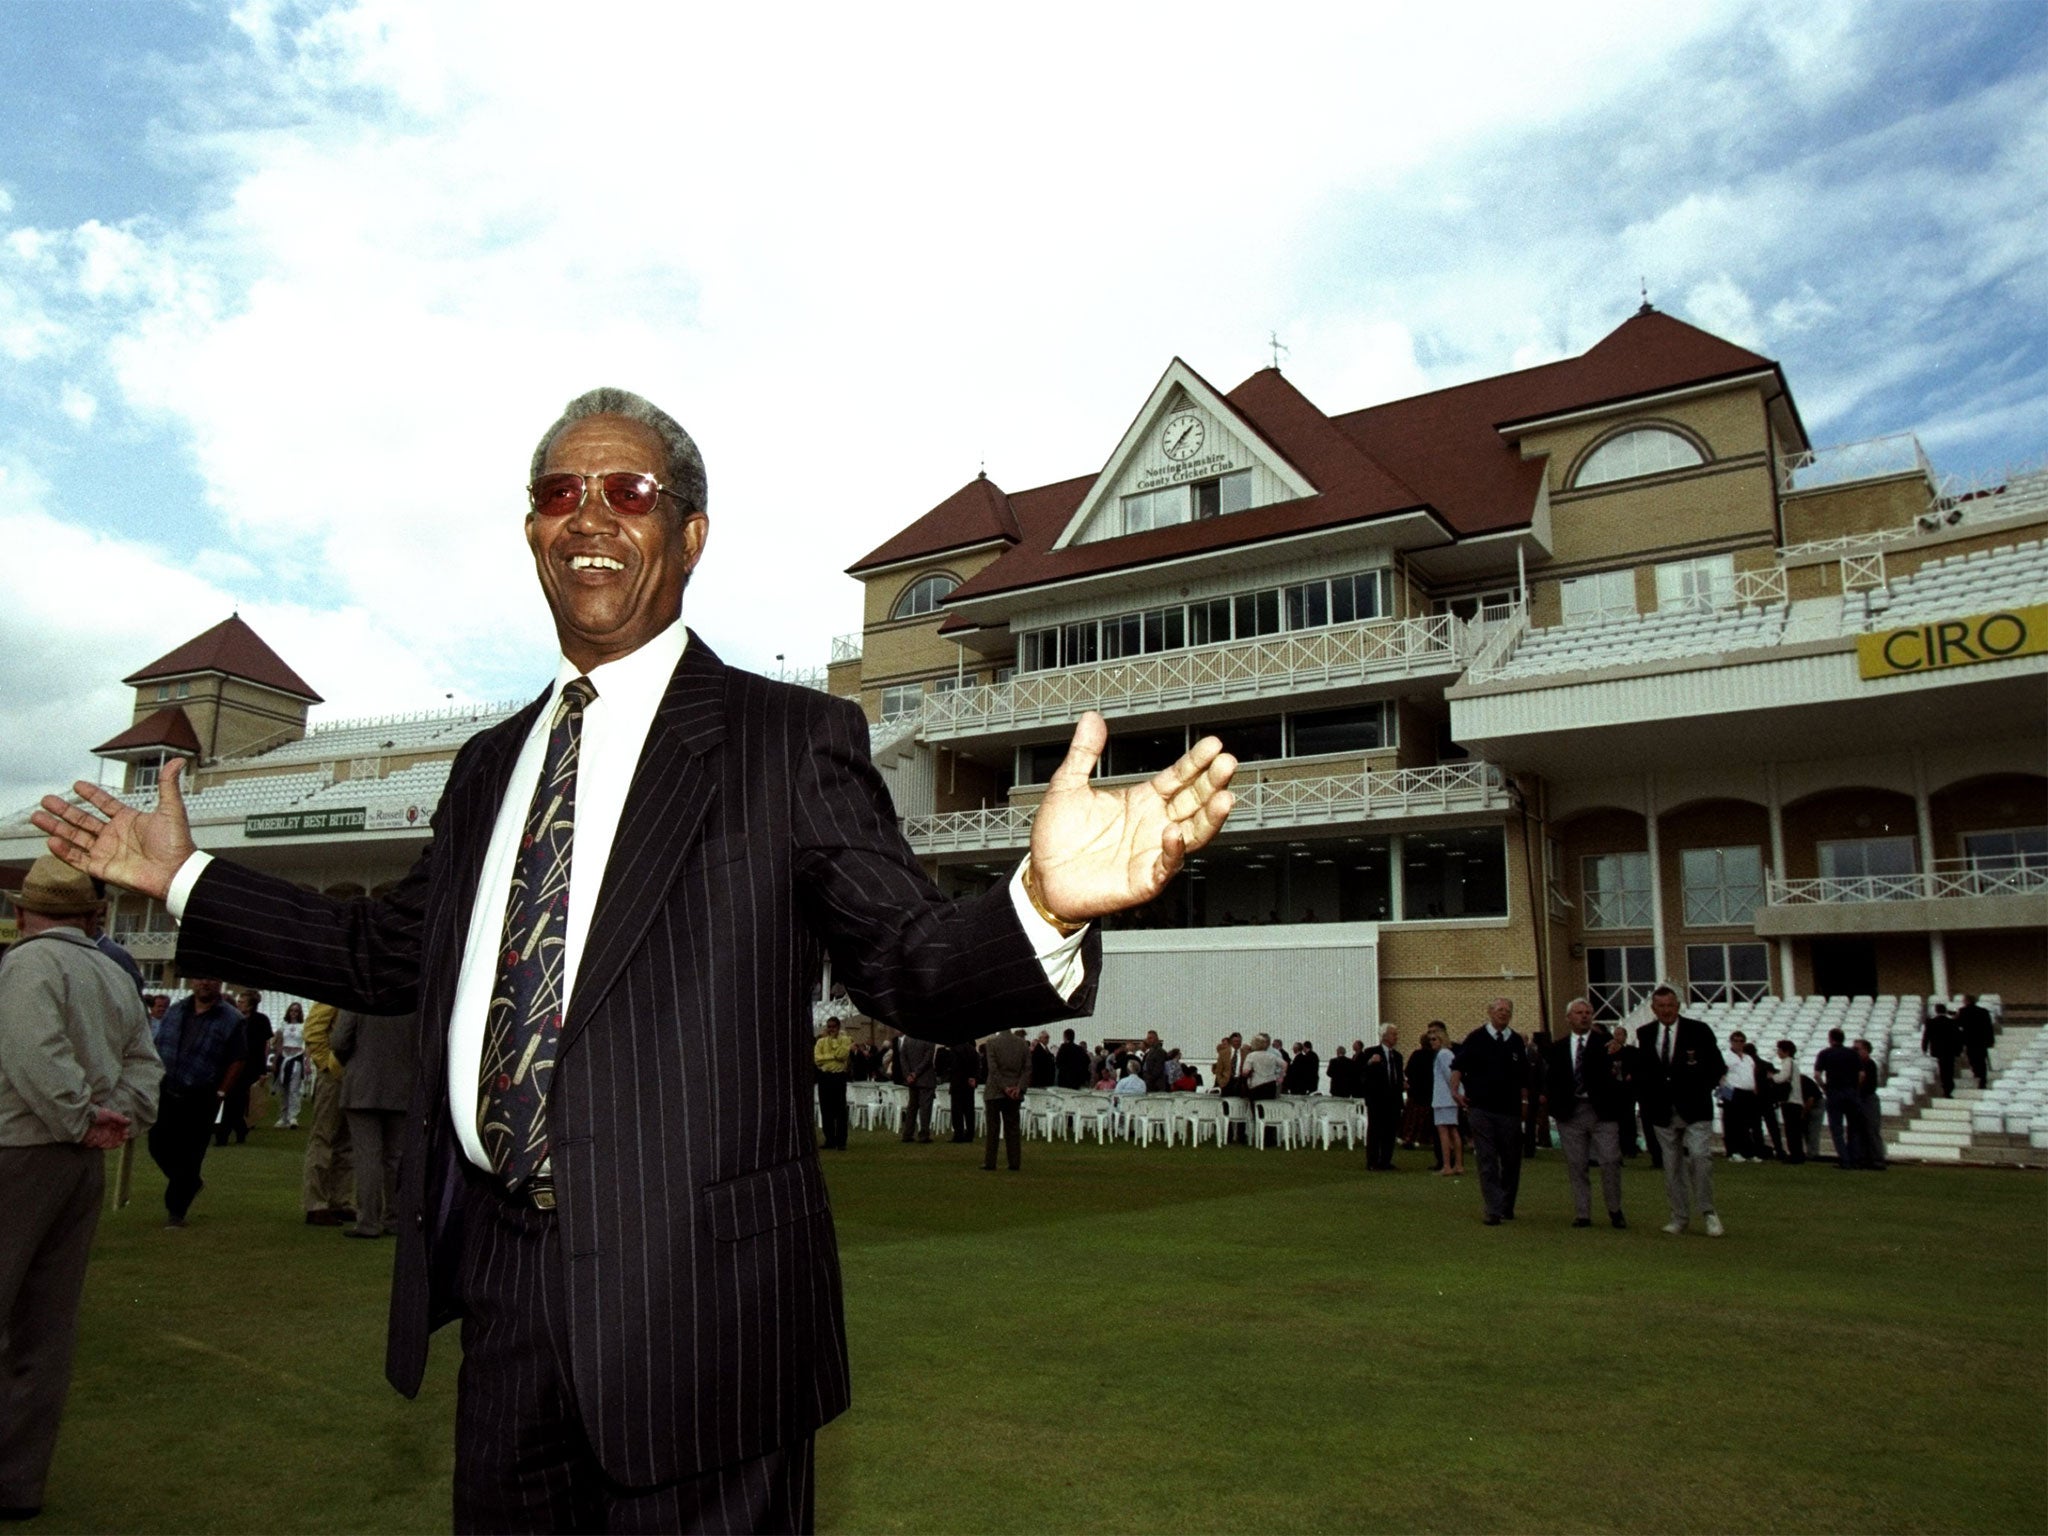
[1009,1074]
[1788,1086]
[1680,1067]
[78,1076]
[1740,1113]
[1443,1106]
[256,1032]
[1045,1071]
[1343,1074]
[1418,1127]
[1152,1064]
[1070,1063]
[1588,1106]
[327,1189]
[200,1041]
[829,1057]
[1380,1079]
[1872,1109]
[377,1056]
[1535,1118]
[1975,1022]
[919,1060]
[288,1066]
[964,1072]
[1490,1082]
[1840,1071]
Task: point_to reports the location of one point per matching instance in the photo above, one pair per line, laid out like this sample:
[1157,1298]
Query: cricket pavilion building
[1558,683]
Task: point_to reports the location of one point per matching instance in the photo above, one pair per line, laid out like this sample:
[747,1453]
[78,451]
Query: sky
[288,291]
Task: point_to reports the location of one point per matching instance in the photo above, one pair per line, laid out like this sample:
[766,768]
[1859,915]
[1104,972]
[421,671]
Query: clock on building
[1181,437]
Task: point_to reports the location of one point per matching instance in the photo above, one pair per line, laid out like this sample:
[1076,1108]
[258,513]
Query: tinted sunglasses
[626,492]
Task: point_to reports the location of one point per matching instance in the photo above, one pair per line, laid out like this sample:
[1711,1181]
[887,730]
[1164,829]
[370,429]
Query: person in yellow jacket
[330,1171]
[829,1055]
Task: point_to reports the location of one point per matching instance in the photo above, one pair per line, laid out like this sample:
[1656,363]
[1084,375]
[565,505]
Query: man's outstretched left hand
[1096,851]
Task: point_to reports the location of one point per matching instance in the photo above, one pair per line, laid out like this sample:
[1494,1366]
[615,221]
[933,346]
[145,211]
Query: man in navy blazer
[1678,1070]
[652,1327]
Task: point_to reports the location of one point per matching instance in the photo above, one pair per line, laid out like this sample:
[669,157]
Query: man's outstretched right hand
[137,850]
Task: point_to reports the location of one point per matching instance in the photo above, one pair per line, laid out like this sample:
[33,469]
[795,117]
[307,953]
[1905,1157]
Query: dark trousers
[1845,1128]
[178,1143]
[963,1112]
[1004,1118]
[1793,1113]
[1499,1139]
[234,1114]
[1872,1112]
[52,1198]
[832,1107]
[1771,1113]
[1650,1140]
[917,1114]
[1739,1129]
[1382,1130]
[1980,1063]
[522,1459]
[379,1137]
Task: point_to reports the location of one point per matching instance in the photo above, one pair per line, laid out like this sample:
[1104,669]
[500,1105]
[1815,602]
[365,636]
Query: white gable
[1185,435]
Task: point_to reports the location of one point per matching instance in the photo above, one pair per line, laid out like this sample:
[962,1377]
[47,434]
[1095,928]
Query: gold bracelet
[1060,925]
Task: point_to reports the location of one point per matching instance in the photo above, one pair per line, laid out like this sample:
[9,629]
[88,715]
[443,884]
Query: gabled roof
[1445,453]
[168,728]
[974,514]
[232,647]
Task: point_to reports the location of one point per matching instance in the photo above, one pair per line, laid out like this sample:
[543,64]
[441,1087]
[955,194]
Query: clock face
[1181,437]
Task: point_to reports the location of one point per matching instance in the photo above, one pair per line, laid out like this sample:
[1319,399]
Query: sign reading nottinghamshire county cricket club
[1965,642]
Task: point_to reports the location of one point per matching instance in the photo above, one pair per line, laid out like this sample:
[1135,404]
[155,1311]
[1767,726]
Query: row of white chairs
[1074,1114]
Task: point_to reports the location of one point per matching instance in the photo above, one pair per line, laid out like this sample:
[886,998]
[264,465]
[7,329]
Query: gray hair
[1568,1007]
[683,466]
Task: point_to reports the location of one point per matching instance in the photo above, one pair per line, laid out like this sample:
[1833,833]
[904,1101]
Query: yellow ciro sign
[1944,643]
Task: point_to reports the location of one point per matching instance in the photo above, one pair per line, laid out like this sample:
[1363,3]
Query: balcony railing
[1362,795]
[846,648]
[1951,879]
[1207,675]
[1872,459]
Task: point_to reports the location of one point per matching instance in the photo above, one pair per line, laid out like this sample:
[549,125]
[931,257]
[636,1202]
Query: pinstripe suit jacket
[705,1320]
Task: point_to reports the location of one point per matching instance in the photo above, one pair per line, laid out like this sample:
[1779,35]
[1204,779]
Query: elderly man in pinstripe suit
[610,1174]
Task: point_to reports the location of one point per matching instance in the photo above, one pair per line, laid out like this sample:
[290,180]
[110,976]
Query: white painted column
[1937,942]
[1786,976]
[1397,878]
[1664,975]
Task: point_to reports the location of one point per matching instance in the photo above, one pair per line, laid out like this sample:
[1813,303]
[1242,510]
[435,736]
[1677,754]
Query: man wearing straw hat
[78,1076]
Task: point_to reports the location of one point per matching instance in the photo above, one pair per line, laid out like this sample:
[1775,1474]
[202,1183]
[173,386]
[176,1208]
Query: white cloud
[78,405]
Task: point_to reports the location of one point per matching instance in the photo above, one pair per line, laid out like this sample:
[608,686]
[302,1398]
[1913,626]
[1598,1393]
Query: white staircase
[2006,1122]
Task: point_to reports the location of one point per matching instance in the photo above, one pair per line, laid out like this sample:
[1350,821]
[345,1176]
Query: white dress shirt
[615,726]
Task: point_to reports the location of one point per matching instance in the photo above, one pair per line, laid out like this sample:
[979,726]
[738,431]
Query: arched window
[924,596]
[1641,451]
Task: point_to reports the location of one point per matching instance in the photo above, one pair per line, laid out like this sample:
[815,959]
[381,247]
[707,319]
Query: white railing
[1500,630]
[888,736]
[2023,874]
[806,677]
[1211,674]
[1874,458]
[1364,795]
[1864,572]
[1760,588]
[846,647]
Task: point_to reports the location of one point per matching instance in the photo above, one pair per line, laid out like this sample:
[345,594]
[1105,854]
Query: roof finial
[982,473]
[1648,307]
[1278,346]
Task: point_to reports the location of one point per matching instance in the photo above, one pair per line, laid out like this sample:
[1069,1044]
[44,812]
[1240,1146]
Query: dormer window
[924,596]
[1194,501]
[1637,452]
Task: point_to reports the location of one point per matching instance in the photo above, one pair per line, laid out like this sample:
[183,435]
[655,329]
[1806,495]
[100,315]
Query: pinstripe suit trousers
[523,1460]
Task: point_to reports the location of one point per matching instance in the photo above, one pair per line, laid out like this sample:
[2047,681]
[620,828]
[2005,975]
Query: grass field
[1193,1340]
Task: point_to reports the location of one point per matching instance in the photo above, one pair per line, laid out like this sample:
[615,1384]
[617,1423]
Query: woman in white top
[288,1066]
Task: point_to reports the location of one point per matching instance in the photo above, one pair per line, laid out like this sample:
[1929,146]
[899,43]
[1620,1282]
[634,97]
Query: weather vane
[1273,341]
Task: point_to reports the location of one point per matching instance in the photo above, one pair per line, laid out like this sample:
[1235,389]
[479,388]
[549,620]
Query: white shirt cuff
[1059,954]
[182,882]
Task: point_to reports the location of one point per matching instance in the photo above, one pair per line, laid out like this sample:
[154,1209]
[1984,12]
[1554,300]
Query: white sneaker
[1675,1228]
[1714,1228]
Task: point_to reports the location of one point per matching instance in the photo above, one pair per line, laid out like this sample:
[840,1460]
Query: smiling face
[613,583]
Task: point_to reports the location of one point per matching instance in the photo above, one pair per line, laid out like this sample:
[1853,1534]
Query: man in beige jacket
[78,1076]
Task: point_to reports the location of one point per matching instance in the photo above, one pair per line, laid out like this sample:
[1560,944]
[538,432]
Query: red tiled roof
[1443,451]
[168,727]
[974,514]
[231,646]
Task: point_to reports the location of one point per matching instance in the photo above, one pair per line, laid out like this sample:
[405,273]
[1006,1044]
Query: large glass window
[903,699]
[1644,451]
[1619,978]
[1602,599]
[1869,869]
[2008,862]
[1722,885]
[1220,498]
[1617,887]
[1249,741]
[1156,509]
[1144,751]
[1364,728]
[1727,973]
[1700,584]
[1458,872]
[923,596]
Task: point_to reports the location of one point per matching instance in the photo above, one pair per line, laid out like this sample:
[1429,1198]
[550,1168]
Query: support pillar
[1664,976]
[1397,878]
[1923,812]
[1788,984]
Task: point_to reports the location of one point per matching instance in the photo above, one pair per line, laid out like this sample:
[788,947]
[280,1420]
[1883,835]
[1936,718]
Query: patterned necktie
[527,1002]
